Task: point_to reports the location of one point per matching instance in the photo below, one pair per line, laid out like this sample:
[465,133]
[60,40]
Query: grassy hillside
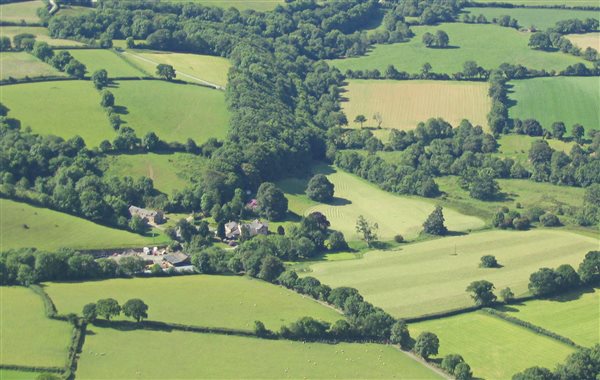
[40,33]
[431,277]
[574,315]
[355,196]
[168,171]
[23,11]
[495,349]
[488,45]
[65,109]
[537,17]
[190,67]
[28,337]
[175,112]
[585,40]
[108,354]
[21,65]
[97,59]
[403,104]
[569,3]
[216,301]
[28,226]
[567,99]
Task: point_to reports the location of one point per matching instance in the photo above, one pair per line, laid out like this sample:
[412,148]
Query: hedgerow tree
[450,362]
[320,189]
[434,225]
[135,308]
[540,41]
[427,344]
[482,292]
[463,372]
[165,71]
[100,79]
[507,295]
[108,99]
[360,119]
[558,129]
[89,312]
[108,308]
[589,269]
[367,230]
[400,334]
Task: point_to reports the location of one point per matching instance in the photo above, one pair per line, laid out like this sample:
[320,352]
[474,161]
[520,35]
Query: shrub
[488,261]
[399,238]
[549,220]
[521,223]
[320,189]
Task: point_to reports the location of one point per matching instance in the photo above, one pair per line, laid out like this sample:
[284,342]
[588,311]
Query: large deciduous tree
[427,344]
[434,225]
[482,292]
[135,308]
[108,308]
[320,189]
[272,204]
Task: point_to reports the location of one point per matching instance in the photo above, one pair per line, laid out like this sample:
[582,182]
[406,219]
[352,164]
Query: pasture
[573,315]
[65,109]
[28,337]
[354,196]
[539,18]
[568,99]
[8,374]
[28,226]
[108,353]
[20,65]
[517,146]
[203,300]
[175,112]
[25,11]
[431,277]
[96,59]
[169,172]
[41,34]
[488,45]
[190,67]
[494,348]
[403,104]
[568,3]
[585,40]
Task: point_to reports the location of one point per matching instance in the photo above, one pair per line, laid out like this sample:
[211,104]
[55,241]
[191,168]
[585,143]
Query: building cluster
[179,261]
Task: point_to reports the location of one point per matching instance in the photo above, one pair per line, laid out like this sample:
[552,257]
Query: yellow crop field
[585,40]
[403,104]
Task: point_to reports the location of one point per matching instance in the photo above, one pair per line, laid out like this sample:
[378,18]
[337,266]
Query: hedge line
[27,368]
[530,326]
[52,78]
[75,347]
[443,314]
[504,4]
[49,307]
[167,327]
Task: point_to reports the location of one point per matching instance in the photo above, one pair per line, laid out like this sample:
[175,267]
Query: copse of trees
[62,61]
[439,40]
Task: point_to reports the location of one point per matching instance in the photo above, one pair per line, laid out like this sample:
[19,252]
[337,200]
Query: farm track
[216,86]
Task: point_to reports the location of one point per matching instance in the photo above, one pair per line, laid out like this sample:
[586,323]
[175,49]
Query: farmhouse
[177,259]
[151,216]
[233,230]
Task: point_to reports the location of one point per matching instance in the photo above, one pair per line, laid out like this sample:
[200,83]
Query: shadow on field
[121,110]
[337,201]
[572,296]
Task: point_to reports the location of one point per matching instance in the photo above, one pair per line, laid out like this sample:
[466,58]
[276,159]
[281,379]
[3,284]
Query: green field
[180,355]
[40,33]
[48,229]
[541,19]
[215,301]
[517,147]
[526,192]
[96,59]
[65,109]
[23,11]
[258,5]
[168,171]
[488,45]
[175,112]
[354,196]
[495,349]
[403,104]
[568,99]
[28,337]
[431,277]
[21,65]
[190,67]
[573,315]
[569,3]
[7,374]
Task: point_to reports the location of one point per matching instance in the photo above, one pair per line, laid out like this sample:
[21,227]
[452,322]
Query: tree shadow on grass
[121,110]
[572,295]
[337,201]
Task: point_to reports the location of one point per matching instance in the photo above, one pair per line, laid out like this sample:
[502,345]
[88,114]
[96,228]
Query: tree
[135,308]
[43,51]
[566,277]
[450,362]
[535,373]
[488,261]
[108,99]
[336,242]
[138,225]
[260,330]
[543,282]
[434,225]
[320,189]
[108,308]
[482,292]
[360,119]
[400,334]
[270,268]
[89,312]
[150,142]
[589,269]
[367,230]
[428,39]
[100,79]
[483,186]
[558,129]
[115,121]
[540,41]
[272,204]
[578,131]
[5,44]
[507,295]
[427,344]
[130,42]
[378,119]
[165,71]
[75,69]
[441,39]
[463,372]
[549,220]
[425,69]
